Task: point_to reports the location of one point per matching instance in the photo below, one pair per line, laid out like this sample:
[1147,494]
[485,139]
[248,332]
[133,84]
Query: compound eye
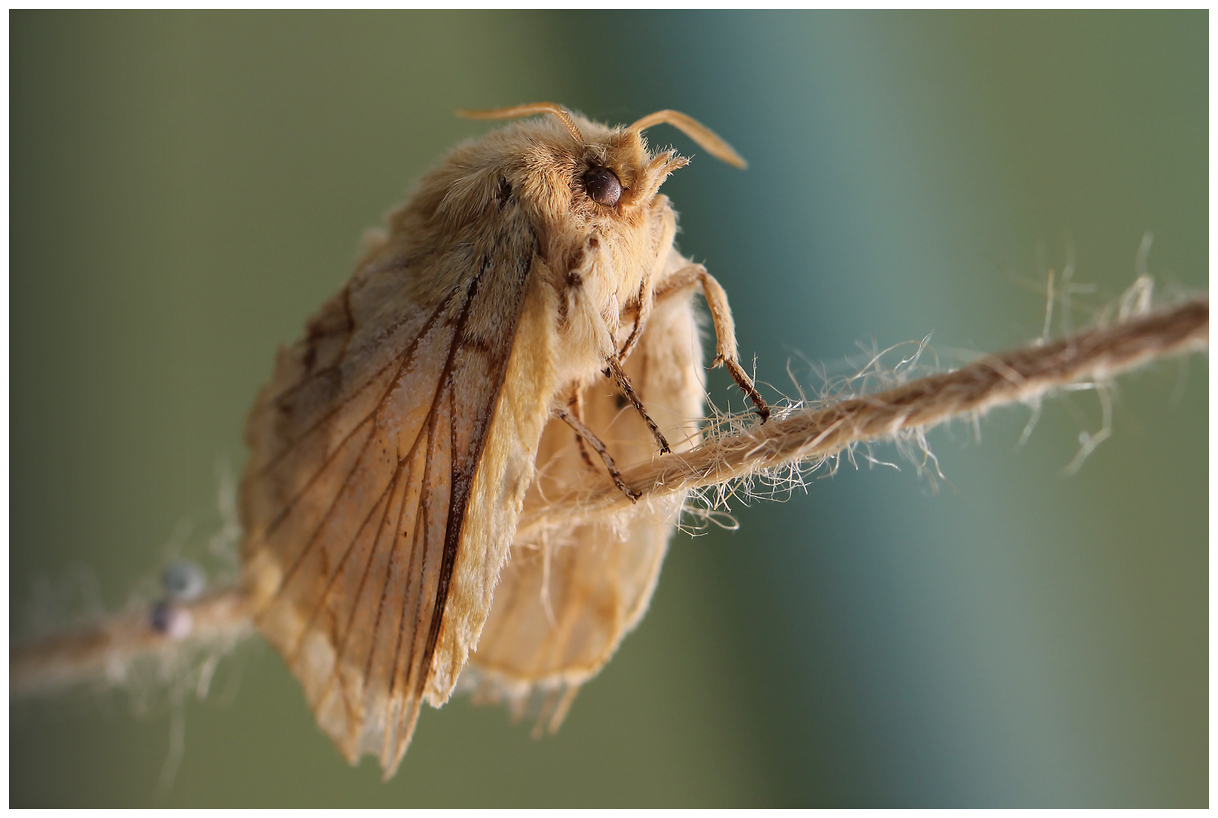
[603,186]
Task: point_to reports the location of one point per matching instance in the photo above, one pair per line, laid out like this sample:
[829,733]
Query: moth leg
[564,707]
[725,328]
[587,434]
[647,300]
[576,408]
[553,710]
[647,294]
[616,372]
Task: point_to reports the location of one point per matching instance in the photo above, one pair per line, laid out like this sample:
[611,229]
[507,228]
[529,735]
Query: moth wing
[380,431]
[566,599]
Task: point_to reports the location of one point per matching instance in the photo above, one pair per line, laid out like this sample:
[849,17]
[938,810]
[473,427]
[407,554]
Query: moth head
[609,171]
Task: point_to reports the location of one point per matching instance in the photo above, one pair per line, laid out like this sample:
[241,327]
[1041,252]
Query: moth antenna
[695,130]
[530,108]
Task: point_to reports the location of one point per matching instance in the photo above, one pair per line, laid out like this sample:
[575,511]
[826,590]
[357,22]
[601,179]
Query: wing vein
[461,484]
[384,497]
[402,359]
[342,648]
[420,529]
[313,539]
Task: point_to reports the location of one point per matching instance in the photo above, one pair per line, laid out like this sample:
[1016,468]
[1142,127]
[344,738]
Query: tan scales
[483,357]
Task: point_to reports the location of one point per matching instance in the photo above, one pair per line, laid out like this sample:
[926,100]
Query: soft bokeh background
[187,188]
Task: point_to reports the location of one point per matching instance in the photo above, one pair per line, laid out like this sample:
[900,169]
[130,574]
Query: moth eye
[603,186]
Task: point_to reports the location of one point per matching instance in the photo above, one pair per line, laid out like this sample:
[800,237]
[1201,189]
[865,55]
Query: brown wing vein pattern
[375,418]
[362,478]
[317,425]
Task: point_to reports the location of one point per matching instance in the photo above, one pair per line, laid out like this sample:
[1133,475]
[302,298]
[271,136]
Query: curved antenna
[528,109]
[695,130]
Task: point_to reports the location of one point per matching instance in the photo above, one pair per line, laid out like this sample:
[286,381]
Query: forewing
[366,447]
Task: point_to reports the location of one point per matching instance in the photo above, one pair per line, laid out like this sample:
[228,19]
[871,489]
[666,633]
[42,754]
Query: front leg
[647,301]
[725,328]
[646,295]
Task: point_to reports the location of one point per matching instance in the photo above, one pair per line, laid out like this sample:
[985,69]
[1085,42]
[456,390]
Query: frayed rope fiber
[794,434]
[104,651]
[1022,375]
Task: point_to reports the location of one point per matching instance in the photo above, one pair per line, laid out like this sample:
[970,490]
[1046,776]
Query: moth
[523,324]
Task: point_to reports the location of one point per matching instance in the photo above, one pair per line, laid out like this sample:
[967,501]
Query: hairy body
[395,445]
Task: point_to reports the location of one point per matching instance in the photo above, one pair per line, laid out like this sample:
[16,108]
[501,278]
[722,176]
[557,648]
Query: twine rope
[221,619]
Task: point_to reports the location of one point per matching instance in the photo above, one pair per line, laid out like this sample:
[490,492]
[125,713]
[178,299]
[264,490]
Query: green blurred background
[187,188]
